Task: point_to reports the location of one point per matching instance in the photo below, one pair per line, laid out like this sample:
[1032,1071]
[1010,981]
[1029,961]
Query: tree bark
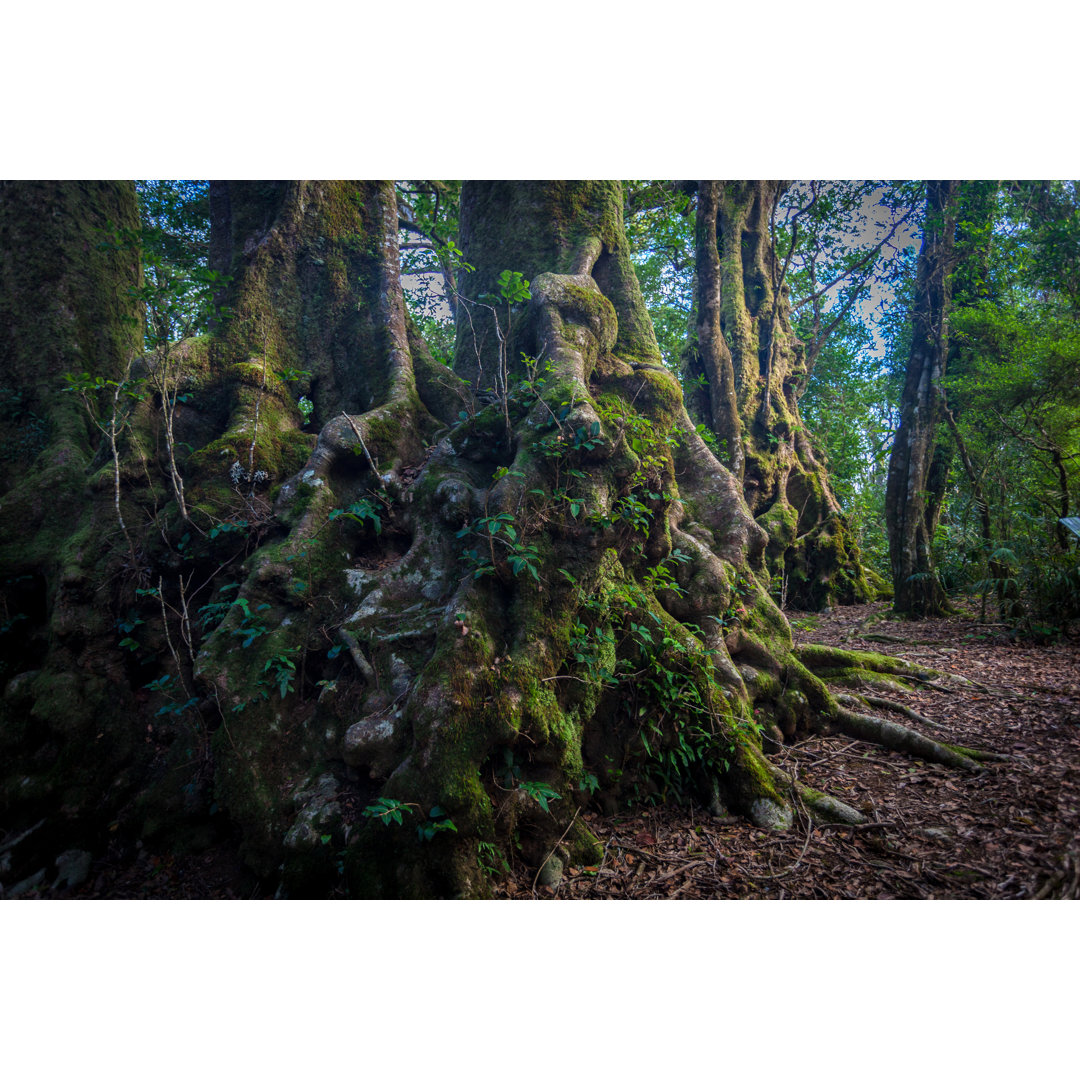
[916,589]
[69,279]
[395,653]
[748,369]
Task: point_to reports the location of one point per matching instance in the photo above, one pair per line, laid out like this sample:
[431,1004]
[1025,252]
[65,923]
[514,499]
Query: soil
[1010,831]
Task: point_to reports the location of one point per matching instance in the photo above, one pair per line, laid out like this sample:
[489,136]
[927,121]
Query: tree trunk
[525,575]
[69,278]
[916,589]
[398,653]
[748,370]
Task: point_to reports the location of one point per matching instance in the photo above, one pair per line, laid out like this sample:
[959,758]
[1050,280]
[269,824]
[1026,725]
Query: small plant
[213,615]
[708,437]
[589,784]
[491,859]
[282,671]
[587,647]
[438,822]
[127,626]
[388,811]
[250,626]
[513,287]
[225,528]
[542,793]
[306,408]
[502,529]
[361,511]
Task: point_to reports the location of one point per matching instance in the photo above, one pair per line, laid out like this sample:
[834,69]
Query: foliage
[361,511]
[282,671]
[438,821]
[1014,395]
[388,811]
[660,229]
[179,288]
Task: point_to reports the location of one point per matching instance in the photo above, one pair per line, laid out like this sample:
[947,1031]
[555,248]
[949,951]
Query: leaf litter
[1010,831]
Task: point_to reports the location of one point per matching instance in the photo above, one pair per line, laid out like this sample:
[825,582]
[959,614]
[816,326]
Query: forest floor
[1010,831]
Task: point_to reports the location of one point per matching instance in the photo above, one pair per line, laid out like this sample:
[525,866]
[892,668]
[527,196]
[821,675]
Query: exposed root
[852,701]
[868,826]
[830,663]
[820,807]
[977,755]
[358,657]
[897,737]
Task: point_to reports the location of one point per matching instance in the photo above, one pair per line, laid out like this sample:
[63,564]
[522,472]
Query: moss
[780,522]
[767,621]
[825,567]
[585,848]
[750,779]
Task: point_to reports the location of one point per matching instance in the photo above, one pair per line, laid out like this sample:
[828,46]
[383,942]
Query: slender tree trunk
[999,572]
[916,589]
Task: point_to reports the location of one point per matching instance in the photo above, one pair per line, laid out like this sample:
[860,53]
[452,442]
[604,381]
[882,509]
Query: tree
[1011,401]
[68,303]
[746,370]
[910,515]
[400,652]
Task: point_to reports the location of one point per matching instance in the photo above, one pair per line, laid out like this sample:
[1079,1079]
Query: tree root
[977,755]
[831,663]
[897,737]
[821,808]
[350,643]
[854,701]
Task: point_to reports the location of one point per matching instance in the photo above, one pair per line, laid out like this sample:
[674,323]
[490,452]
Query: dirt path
[1012,831]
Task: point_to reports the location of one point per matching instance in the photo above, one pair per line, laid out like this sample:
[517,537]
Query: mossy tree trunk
[748,369]
[401,652]
[909,514]
[563,593]
[69,279]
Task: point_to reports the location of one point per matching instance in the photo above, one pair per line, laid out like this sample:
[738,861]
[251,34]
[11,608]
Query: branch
[870,255]
[659,194]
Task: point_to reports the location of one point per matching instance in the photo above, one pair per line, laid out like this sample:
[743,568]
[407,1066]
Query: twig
[869,826]
[7,845]
[678,870]
[367,453]
[554,849]
[168,637]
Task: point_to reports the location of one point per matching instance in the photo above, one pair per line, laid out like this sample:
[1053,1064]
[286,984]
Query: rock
[372,743]
[551,872]
[765,814]
[73,867]
[318,814]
